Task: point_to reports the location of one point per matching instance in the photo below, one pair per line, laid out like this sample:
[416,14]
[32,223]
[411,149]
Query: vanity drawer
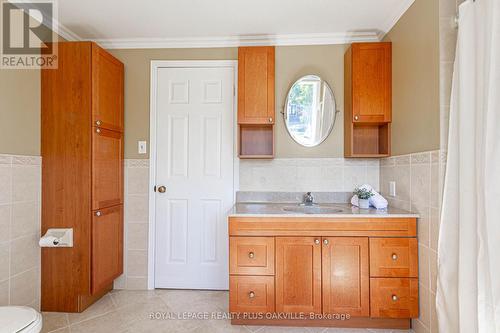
[394,297]
[251,293]
[393,257]
[251,255]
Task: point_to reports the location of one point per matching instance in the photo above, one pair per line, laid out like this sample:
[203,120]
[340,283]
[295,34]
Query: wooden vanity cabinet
[364,268]
[298,274]
[345,276]
[256,101]
[82,175]
[368,99]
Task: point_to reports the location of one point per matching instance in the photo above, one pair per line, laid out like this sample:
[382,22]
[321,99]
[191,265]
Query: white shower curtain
[468,294]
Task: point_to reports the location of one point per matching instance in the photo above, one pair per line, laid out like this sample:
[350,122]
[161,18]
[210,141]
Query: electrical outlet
[141,147]
[392,188]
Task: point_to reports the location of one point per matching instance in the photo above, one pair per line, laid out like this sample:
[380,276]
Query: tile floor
[126,311]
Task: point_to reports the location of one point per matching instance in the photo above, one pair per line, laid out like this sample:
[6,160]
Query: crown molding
[397,13]
[235,41]
[65,33]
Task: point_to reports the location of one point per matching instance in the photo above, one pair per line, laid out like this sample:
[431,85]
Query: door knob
[394,256]
[251,255]
[98,123]
[325,241]
[356,117]
[270,120]
[162,189]
[394,298]
[316,241]
[98,213]
[251,294]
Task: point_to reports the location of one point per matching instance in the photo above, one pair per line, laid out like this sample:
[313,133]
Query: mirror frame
[284,112]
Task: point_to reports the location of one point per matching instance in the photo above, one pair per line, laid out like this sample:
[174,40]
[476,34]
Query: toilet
[19,319]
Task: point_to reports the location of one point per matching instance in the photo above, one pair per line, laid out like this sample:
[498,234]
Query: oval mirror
[310,111]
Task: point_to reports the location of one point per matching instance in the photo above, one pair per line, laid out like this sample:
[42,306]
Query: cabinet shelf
[256,141]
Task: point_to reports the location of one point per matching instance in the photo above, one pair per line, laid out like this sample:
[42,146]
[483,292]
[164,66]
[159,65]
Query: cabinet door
[346,282]
[107,90]
[298,274]
[371,82]
[107,246]
[256,85]
[107,168]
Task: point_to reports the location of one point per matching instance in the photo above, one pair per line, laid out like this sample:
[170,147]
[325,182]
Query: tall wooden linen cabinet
[82,175]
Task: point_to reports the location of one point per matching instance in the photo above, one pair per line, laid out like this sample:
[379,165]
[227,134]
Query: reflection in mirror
[310,111]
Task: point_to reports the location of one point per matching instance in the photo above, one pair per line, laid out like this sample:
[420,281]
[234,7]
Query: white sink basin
[312,209]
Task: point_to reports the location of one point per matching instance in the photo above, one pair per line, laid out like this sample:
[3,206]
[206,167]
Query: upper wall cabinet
[371,82]
[256,102]
[107,90]
[256,85]
[368,100]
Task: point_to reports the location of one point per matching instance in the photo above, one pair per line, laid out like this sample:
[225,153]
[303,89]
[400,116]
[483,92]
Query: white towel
[376,200]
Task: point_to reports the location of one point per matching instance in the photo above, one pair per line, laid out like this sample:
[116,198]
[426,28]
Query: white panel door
[194,161]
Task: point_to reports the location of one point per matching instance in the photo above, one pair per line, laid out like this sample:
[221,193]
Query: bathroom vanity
[325,265]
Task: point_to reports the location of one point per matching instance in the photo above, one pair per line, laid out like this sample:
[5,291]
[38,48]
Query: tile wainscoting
[20,230]
[308,174]
[136,206]
[419,179]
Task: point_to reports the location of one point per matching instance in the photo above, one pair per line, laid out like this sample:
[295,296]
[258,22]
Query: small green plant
[363,193]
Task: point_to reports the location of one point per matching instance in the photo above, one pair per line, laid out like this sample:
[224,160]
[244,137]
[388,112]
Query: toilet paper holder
[57,238]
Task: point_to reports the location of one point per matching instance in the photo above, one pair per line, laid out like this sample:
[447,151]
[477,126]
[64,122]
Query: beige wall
[20,111]
[415,39]
[291,63]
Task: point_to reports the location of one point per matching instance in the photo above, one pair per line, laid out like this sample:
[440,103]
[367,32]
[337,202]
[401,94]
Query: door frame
[155,65]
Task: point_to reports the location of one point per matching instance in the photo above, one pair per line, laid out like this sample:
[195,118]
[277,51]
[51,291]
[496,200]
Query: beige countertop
[337,210]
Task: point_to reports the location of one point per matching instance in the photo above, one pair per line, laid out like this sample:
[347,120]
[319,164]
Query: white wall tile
[418,188]
[23,288]
[5,183]
[308,174]
[5,213]
[19,230]
[4,261]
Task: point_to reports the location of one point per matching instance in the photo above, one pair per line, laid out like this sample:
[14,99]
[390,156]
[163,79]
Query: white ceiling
[195,23]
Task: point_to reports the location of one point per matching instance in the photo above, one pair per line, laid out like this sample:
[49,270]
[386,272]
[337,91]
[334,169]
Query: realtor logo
[28,30]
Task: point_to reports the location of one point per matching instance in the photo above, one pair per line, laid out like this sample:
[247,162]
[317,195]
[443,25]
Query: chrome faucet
[308,199]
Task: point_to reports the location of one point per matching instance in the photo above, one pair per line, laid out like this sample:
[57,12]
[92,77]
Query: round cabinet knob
[394,256]
[251,255]
[270,120]
[394,298]
[98,130]
[316,241]
[251,294]
[162,189]
[356,117]
[97,213]
[98,123]
[325,241]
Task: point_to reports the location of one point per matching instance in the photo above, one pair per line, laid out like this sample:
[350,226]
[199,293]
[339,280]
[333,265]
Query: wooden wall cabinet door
[107,246]
[371,82]
[107,168]
[107,90]
[345,276]
[256,85]
[298,274]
